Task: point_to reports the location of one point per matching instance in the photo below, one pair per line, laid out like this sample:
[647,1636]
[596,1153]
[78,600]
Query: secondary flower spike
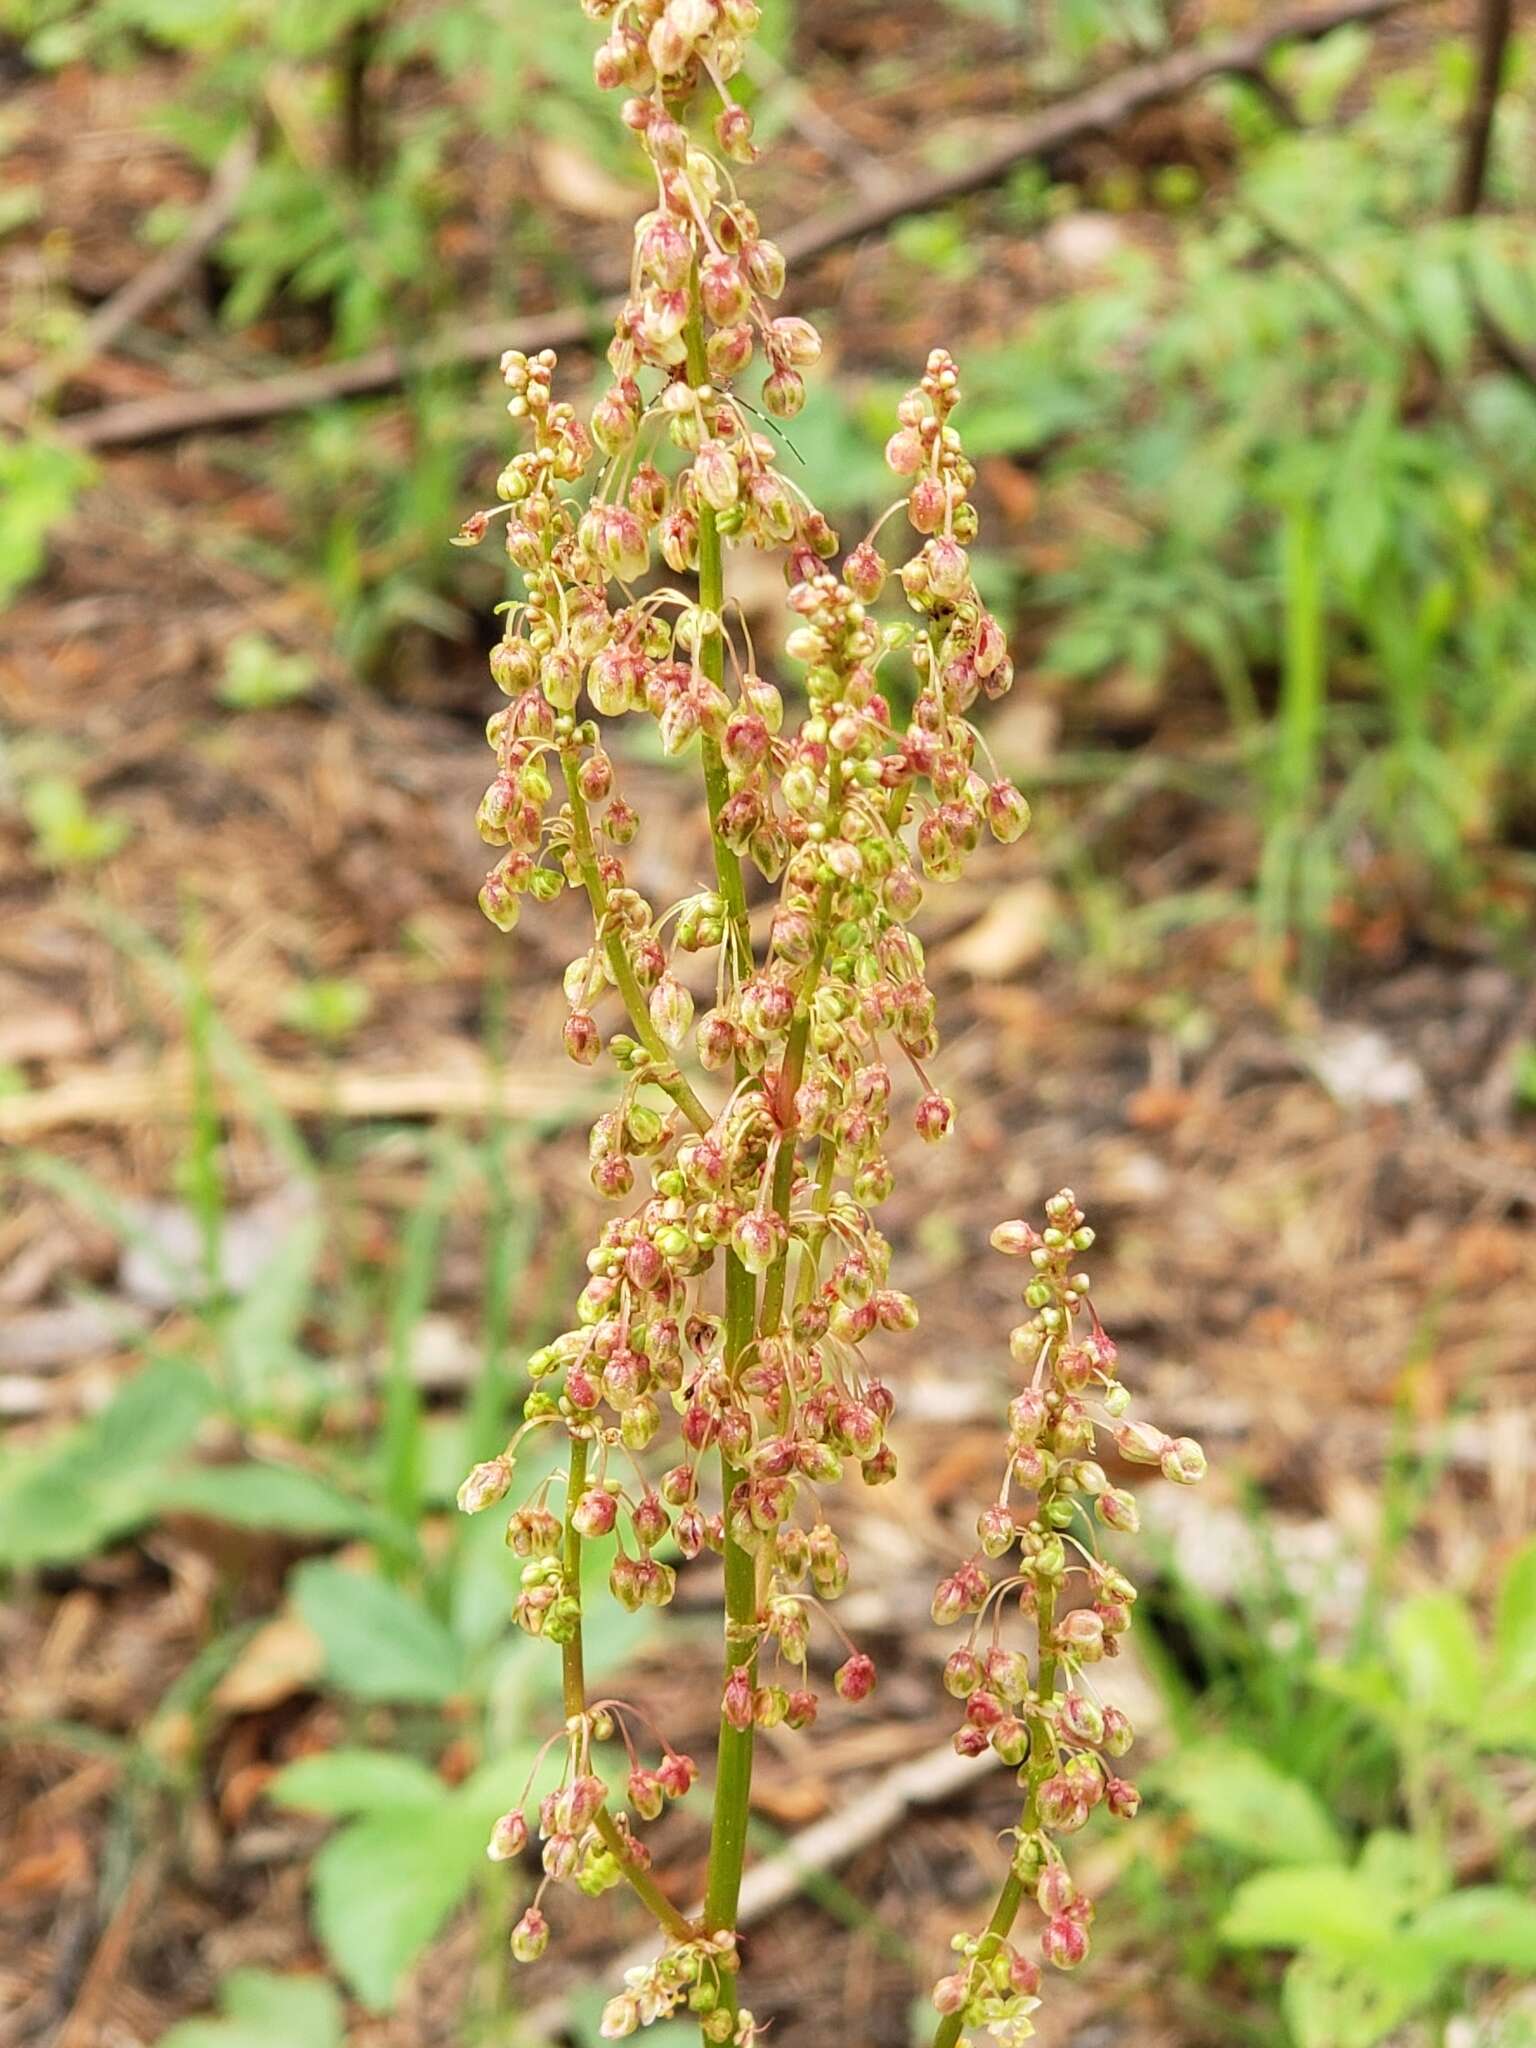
[1041,1712]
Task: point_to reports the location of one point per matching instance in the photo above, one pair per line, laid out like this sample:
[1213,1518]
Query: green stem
[667,1076]
[733,1771]
[712,661]
[791,1075]
[1042,1761]
[574,1690]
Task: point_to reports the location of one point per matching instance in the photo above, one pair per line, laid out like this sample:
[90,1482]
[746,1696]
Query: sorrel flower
[738,1298]
[1043,1714]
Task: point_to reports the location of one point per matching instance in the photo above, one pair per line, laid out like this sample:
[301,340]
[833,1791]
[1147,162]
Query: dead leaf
[1158,1109]
[573,181]
[1010,934]
[1016,492]
[283,1658]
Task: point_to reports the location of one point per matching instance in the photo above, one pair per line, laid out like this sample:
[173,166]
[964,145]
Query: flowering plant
[759,1378]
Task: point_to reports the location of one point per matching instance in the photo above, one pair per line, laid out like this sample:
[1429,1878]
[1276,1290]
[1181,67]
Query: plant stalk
[574,1691]
[1042,1761]
[667,1076]
[734,1757]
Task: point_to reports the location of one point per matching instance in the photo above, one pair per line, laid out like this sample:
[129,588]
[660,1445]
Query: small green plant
[1375,1768]
[258,2009]
[329,1009]
[258,675]
[68,831]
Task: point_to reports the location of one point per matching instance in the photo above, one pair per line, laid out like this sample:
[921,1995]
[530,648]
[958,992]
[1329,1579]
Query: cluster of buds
[1043,1716]
[686,1976]
[581,1841]
[719,1375]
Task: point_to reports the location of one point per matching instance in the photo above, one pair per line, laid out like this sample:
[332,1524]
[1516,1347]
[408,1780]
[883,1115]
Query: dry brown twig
[1040,134]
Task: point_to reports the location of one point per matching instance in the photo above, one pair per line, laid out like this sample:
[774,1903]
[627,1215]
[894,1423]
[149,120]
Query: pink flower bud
[1063,1808]
[485,1485]
[1007,1673]
[962,1674]
[671,1008]
[934,1118]
[783,394]
[855,1678]
[1064,1943]
[736,1702]
[1122,1798]
[949,570]
[1183,1461]
[582,1039]
[595,1513]
[1007,812]
[1055,1891]
[561,1855]
[717,476]
[995,1530]
[1080,1718]
[745,742]
[724,290]
[728,351]
[904,453]
[665,253]
[757,1240]
[865,572]
[530,1937]
[582,1801]
[801,1710]
[951,1994]
[676,1773]
[925,509]
[716,1039]
[508,1837]
[645,1793]
[766,268]
[1082,1633]
[733,132]
[1116,1509]
[1141,1443]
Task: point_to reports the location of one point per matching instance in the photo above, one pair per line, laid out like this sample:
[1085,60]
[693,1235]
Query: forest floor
[1314,1218]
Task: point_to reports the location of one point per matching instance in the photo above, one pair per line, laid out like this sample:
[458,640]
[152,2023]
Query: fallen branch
[149,287]
[140,1096]
[1494,22]
[1101,108]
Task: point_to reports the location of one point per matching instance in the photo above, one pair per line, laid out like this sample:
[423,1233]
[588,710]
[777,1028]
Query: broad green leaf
[1323,1907]
[1514,1626]
[348,1781]
[1442,313]
[1508,1722]
[261,1333]
[1486,1924]
[1238,1797]
[39,482]
[380,1644]
[1402,1870]
[1435,1651]
[263,2010]
[384,1886]
[97,1481]
[262,1496]
[1333,2005]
